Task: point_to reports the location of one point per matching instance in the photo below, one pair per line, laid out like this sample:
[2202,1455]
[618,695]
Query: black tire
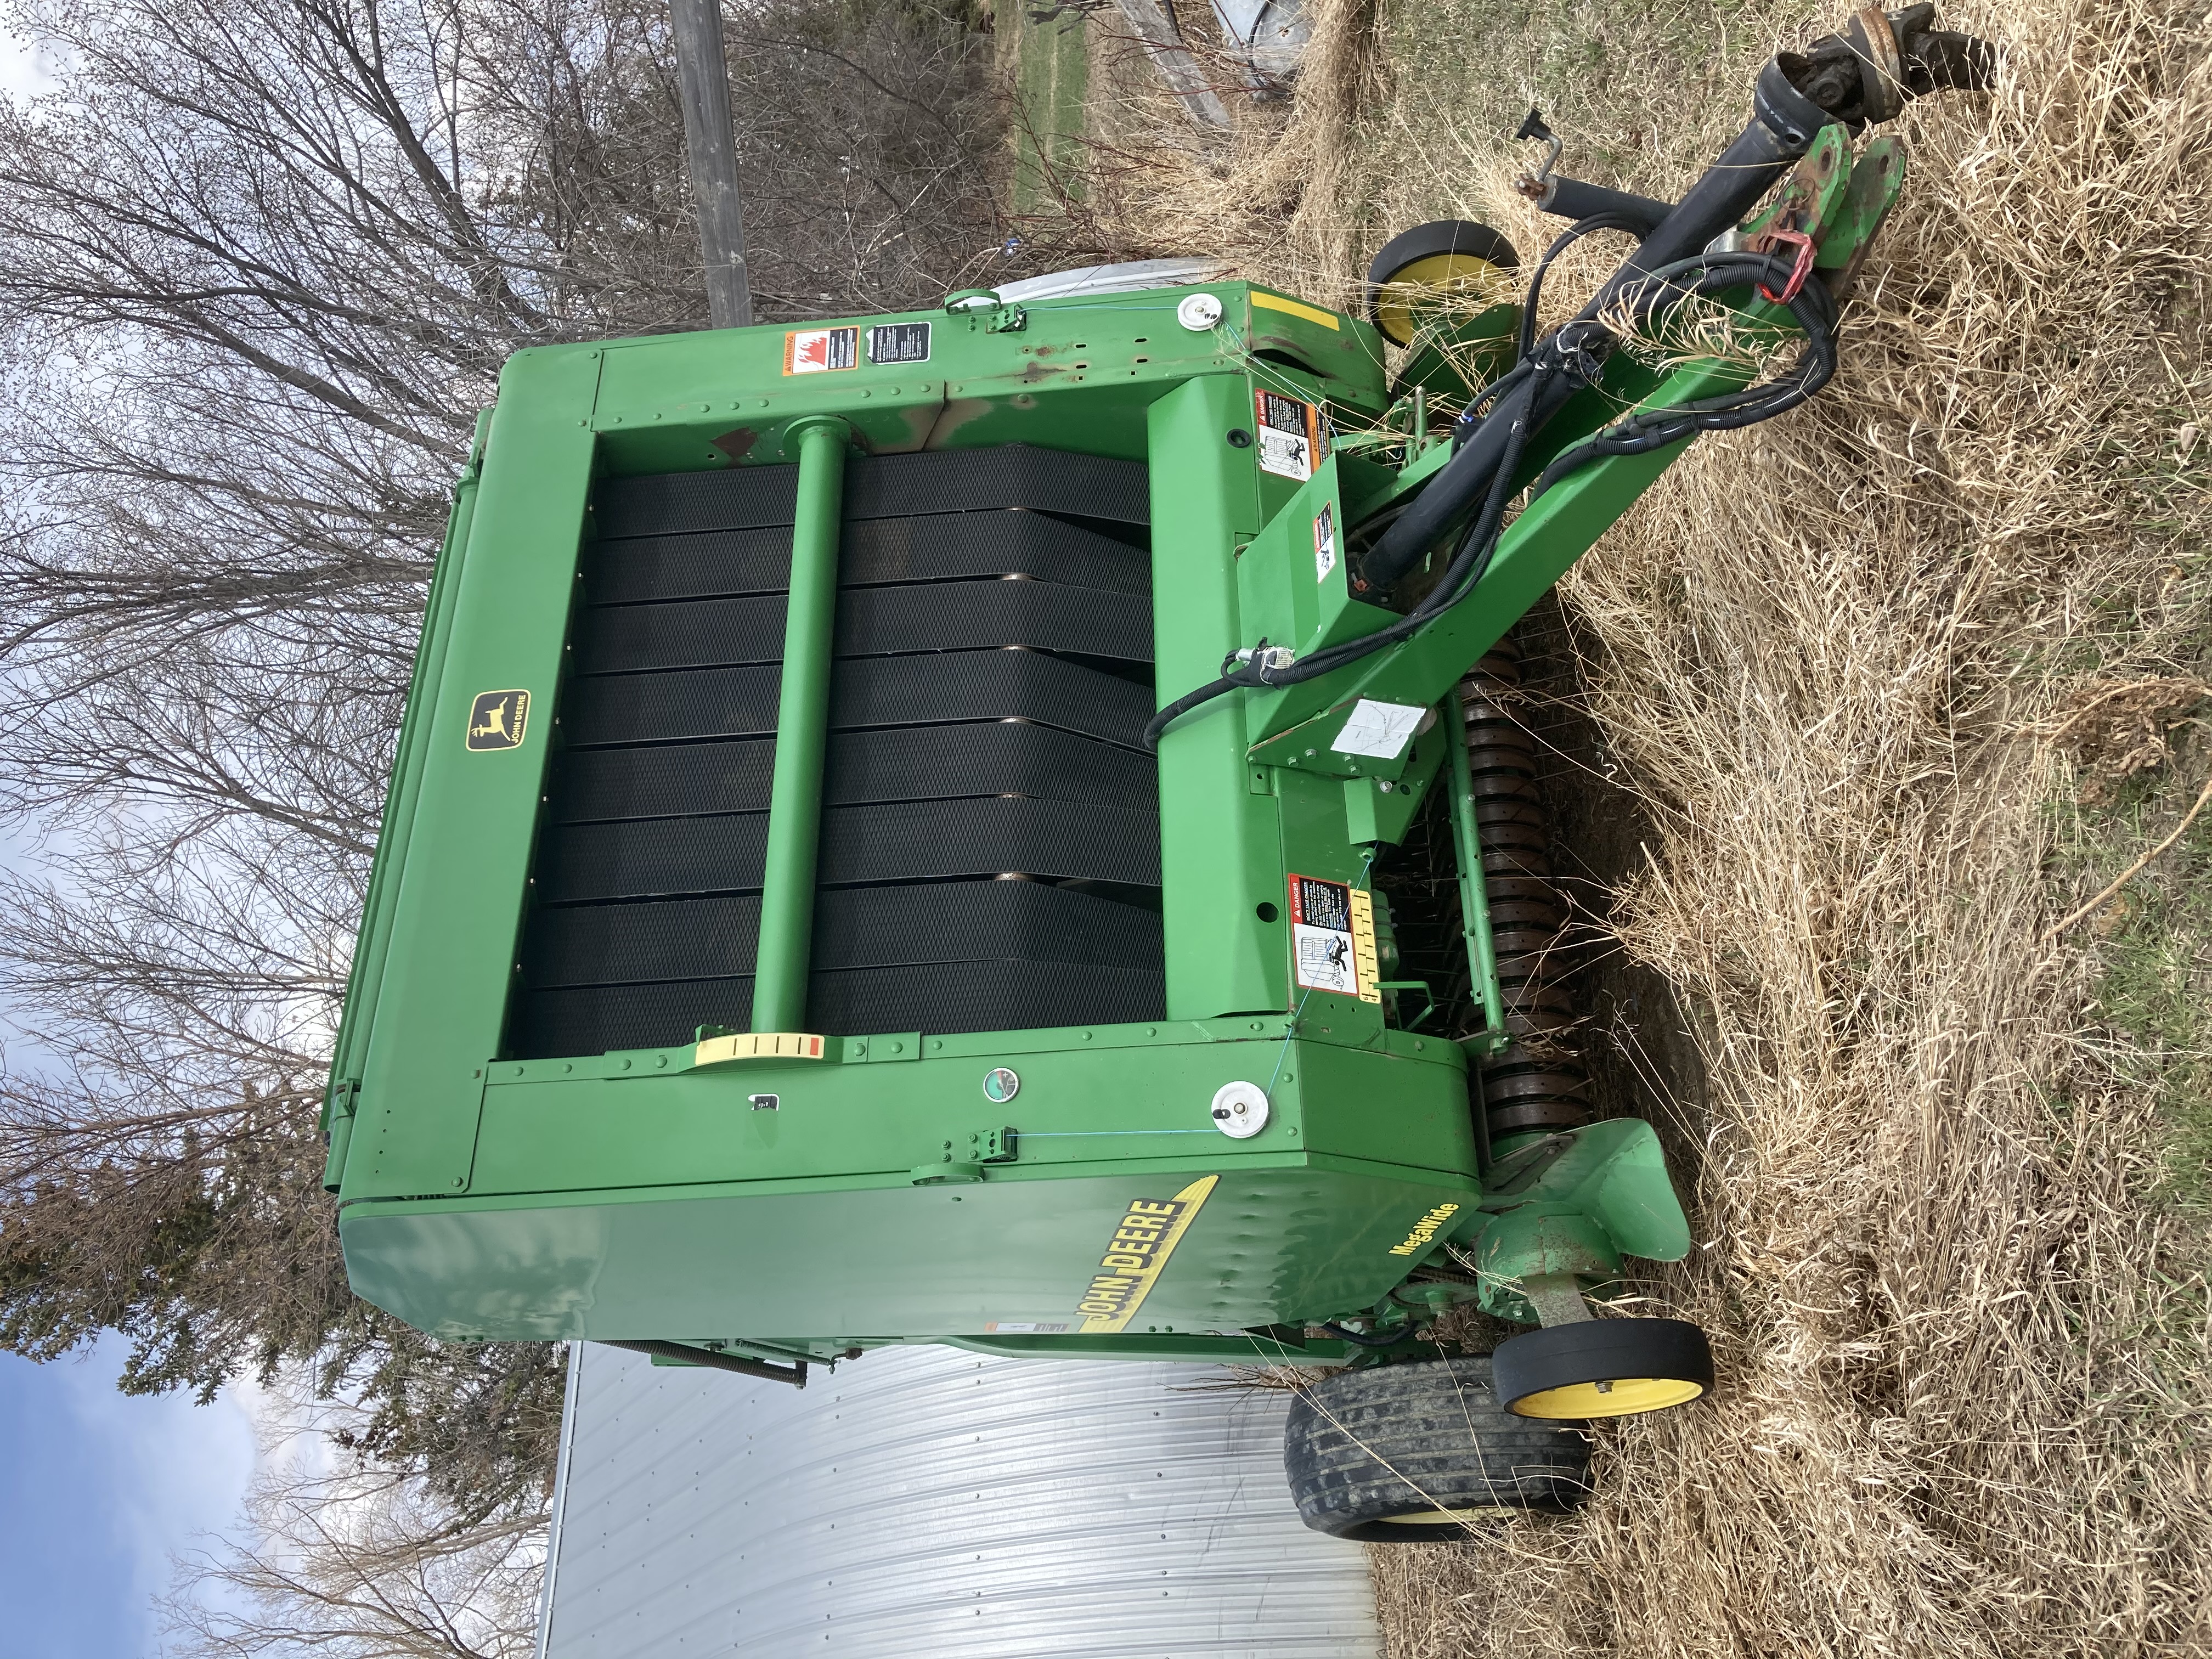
[1371,1453]
[1451,241]
[1603,1368]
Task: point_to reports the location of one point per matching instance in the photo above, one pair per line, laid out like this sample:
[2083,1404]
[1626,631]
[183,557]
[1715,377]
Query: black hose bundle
[1572,357]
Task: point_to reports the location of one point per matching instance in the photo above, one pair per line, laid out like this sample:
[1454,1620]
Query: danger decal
[1333,939]
[1137,1255]
[815,350]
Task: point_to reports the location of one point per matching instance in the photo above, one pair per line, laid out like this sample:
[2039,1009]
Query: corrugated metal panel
[928,1502]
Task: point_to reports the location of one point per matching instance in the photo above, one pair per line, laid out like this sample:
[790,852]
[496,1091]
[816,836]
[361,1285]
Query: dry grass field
[1867,703]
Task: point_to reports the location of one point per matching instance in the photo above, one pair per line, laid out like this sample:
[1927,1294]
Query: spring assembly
[1537,1083]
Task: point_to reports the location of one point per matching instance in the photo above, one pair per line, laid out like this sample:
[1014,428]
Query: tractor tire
[1405,1454]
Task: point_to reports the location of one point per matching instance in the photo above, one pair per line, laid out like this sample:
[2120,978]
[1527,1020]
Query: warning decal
[899,342]
[1333,939]
[1137,1255]
[1325,543]
[812,350]
[1289,436]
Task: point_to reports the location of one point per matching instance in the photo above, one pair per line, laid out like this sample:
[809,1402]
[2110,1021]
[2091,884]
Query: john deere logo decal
[1137,1255]
[497,719]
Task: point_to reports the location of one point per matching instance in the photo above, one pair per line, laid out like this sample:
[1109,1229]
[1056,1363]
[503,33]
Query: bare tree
[259,263]
[360,1565]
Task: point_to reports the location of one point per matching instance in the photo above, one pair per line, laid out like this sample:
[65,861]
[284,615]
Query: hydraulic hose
[1783,124]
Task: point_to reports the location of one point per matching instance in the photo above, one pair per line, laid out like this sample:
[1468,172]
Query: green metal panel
[1218,829]
[461,889]
[837,1261]
[372,943]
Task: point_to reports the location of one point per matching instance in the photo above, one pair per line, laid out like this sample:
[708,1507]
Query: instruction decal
[1136,1256]
[1325,543]
[497,719]
[1021,1328]
[899,342]
[1333,939]
[813,351]
[1289,436]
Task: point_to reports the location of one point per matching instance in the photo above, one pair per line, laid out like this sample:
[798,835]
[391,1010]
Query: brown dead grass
[1852,664]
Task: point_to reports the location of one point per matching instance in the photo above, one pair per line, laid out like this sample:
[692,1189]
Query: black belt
[923,763]
[867,691]
[943,547]
[877,621]
[911,841]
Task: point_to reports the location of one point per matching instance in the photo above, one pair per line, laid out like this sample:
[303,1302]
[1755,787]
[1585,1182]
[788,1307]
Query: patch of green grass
[2156,953]
[1052,82]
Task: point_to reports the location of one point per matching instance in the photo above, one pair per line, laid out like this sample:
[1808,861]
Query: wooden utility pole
[713,150]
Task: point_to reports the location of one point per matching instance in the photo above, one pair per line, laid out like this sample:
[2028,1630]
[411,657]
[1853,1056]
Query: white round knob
[1199,311]
[1240,1110]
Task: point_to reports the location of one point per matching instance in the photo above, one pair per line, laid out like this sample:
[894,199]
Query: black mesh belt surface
[854,928]
[928,763]
[977,732]
[945,547]
[691,703]
[882,487]
[873,623]
[911,840]
[983,996]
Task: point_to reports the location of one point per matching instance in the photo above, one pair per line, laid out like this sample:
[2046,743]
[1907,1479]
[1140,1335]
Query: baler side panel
[459,903]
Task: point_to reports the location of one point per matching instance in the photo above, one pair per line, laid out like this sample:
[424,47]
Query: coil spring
[1537,1082]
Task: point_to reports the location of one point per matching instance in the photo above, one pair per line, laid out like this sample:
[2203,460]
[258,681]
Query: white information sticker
[1380,729]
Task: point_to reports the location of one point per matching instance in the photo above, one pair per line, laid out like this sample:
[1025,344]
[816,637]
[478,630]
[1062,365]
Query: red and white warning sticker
[813,351]
[1291,443]
[1333,938]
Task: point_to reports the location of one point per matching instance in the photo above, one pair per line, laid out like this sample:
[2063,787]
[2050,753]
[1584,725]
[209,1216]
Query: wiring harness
[1519,402]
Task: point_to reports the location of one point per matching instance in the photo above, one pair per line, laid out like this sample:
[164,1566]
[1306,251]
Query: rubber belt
[683,704]
[871,623]
[882,487]
[929,762]
[945,547]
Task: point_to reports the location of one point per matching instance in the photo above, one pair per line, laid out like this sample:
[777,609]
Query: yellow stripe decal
[1137,1256]
[1296,308]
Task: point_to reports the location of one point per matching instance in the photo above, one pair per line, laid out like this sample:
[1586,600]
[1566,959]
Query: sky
[98,1491]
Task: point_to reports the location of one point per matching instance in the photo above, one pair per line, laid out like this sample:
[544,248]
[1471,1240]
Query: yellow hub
[1624,1397]
[1440,277]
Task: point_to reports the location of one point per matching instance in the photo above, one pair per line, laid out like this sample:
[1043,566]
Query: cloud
[172,1474]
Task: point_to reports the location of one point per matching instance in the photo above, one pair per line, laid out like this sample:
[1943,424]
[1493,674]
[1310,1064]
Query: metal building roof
[925,1503]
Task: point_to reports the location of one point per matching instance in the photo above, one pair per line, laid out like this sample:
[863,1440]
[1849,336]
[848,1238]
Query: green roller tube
[802,728]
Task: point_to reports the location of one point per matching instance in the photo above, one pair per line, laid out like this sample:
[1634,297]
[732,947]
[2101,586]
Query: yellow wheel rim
[1421,284]
[1623,1397]
[1447,1517]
